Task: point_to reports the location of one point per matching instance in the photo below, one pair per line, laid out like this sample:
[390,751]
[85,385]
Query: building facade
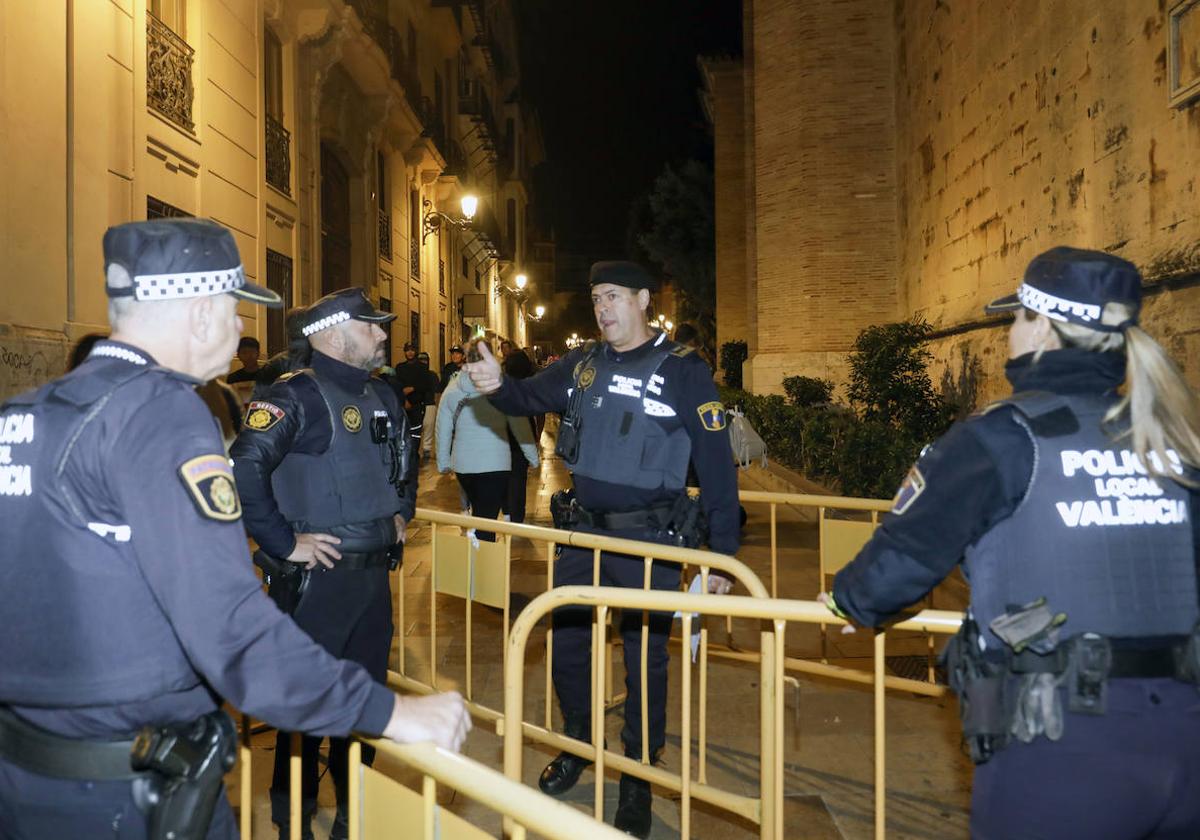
[912,157]
[334,139]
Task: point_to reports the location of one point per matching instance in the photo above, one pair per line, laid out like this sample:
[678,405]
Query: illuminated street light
[431,222]
[520,280]
[469,205]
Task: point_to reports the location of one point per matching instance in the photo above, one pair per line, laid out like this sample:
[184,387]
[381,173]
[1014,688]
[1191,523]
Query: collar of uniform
[636,352]
[348,376]
[109,349]
[1067,371]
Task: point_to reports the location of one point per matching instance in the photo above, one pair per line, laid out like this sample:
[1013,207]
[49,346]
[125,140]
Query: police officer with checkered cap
[125,578]
[1071,506]
[642,407]
[329,481]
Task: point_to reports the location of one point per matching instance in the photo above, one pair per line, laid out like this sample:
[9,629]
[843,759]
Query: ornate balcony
[168,73]
[279,156]
[385,235]
[414,257]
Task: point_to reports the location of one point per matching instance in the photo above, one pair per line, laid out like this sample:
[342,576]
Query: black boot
[561,774]
[633,807]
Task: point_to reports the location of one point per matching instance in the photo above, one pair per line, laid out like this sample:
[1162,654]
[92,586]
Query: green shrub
[733,353]
[807,390]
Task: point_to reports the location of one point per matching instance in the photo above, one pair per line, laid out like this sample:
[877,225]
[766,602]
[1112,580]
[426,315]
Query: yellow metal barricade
[767,809]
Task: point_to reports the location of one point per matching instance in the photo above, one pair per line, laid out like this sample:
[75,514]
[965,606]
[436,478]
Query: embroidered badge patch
[352,418]
[261,416]
[586,377]
[712,416]
[913,486]
[209,479]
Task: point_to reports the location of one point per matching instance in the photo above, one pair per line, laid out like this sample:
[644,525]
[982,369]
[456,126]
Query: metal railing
[279,156]
[385,234]
[414,257]
[767,809]
[168,73]
[375,800]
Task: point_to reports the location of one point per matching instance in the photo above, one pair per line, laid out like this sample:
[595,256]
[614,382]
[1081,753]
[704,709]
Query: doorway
[335,222]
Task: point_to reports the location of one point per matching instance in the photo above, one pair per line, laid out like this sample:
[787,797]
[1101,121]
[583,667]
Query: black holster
[286,581]
[985,701]
[686,525]
[563,511]
[186,764]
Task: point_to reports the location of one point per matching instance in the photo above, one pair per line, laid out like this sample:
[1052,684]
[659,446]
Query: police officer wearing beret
[125,588]
[329,482]
[1071,507]
[636,408]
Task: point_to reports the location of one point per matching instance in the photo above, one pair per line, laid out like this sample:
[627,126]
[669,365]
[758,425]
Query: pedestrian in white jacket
[472,440]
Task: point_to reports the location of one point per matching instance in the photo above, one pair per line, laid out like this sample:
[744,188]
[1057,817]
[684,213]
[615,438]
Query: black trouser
[348,612]
[34,807]
[486,491]
[573,642]
[1131,772]
[518,480]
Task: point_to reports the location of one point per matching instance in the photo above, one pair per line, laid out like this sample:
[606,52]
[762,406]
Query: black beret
[169,259]
[622,273]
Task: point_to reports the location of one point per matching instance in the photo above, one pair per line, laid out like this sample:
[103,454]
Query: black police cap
[168,259]
[622,273]
[341,306]
[1073,285]
[456,349]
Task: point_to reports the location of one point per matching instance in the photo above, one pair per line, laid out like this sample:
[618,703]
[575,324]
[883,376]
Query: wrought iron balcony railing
[385,235]
[168,73]
[279,156]
[414,257]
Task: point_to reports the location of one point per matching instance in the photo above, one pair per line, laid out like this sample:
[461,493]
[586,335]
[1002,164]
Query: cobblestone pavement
[828,739]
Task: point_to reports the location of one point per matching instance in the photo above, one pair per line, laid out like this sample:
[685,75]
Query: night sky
[615,84]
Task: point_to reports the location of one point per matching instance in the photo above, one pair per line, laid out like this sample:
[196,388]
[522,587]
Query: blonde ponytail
[1161,410]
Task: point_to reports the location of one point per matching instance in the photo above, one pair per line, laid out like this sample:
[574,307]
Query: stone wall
[1025,124]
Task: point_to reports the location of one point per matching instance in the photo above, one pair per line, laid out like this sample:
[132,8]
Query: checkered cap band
[1057,308]
[187,285]
[326,322]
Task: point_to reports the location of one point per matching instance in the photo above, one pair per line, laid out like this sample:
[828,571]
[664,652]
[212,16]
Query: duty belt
[1125,662]
[362,559]
[622,521]
[47,754]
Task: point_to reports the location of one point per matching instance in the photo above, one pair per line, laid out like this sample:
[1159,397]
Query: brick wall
[725,91]
[824,182]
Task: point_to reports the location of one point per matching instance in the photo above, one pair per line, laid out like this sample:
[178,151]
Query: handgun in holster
[686,525]
[563,510]
[184,765]
[983,689]
[286,581]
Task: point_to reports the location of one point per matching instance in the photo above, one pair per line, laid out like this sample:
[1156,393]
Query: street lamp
[538,312]
[431,222]
[519,282]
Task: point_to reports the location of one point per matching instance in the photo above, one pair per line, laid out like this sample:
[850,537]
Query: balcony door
[335,222]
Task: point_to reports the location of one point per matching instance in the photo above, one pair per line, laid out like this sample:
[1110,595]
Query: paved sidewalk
[828,739]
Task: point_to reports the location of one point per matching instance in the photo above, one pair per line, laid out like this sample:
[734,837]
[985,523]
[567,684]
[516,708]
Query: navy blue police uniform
[327,451]
[643,414]
[1044,506]
[141,610]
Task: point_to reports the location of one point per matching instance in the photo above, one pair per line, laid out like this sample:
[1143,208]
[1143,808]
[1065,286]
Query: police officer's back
[125,577]
[1072,510]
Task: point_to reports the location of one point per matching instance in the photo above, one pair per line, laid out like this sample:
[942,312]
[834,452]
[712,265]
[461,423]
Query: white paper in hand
[694,589]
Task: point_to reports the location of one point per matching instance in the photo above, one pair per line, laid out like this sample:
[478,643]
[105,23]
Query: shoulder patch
[712,416]
[209,479]
[912,487]
[261,415]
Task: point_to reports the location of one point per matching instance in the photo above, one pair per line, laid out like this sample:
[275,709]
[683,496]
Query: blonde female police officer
[1071,508]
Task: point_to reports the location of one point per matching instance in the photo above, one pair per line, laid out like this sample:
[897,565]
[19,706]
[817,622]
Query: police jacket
[1030,495]
[327,451]
[659,394]
[126,588]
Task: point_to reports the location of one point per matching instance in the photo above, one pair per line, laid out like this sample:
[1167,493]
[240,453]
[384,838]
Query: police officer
[128,600]
[1071,508]
[639,395]
[329,482]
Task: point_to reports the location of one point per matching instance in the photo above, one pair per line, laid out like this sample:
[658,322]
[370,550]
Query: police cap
[341,306]
[168,259]
[1073,285]
[622,273]
[456,349]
